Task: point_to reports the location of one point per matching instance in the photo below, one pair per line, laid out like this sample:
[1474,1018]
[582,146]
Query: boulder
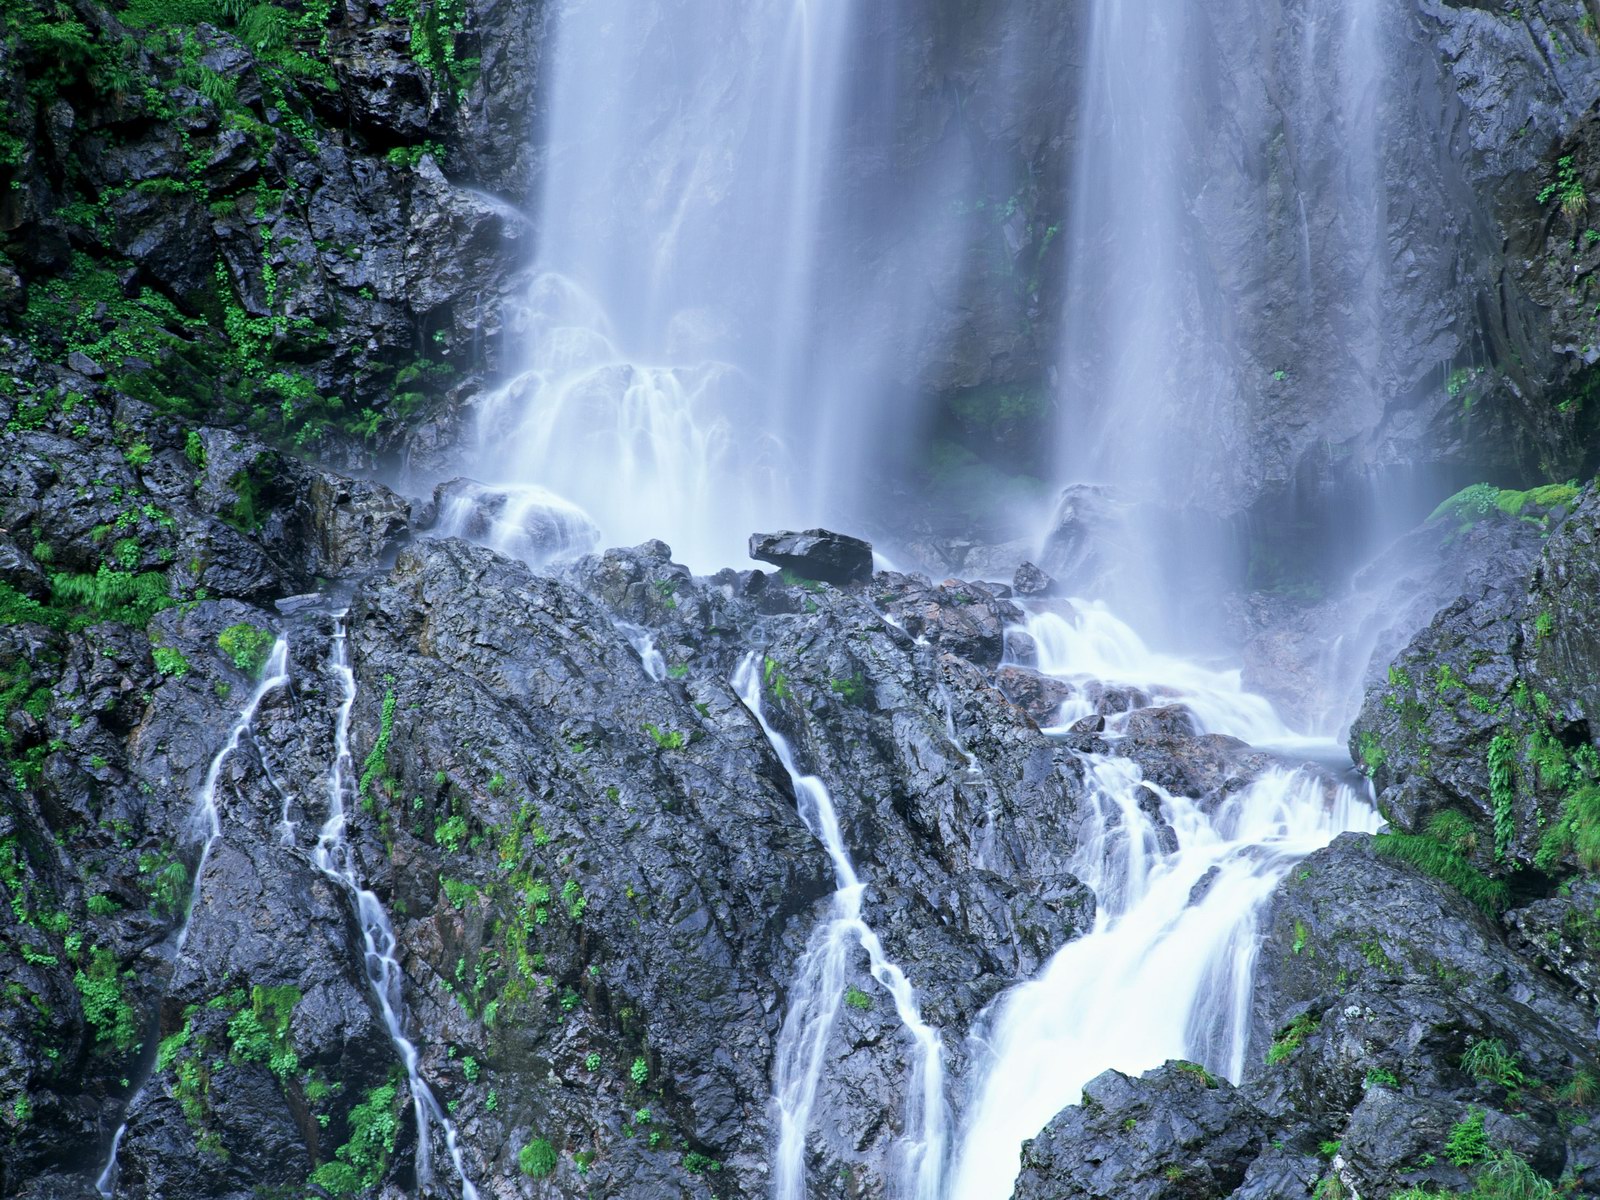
[820,554]
[1178,1132]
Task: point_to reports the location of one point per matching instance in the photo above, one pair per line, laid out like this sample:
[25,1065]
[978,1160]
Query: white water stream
[1166,970]
[819,989]
[332,854]
[205,827]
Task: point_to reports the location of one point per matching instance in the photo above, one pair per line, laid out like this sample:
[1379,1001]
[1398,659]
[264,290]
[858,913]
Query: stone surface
[817,554]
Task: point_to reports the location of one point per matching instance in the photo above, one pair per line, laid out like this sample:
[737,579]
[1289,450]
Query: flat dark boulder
[816,554]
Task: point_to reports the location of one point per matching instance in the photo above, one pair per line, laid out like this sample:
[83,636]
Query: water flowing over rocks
[368,830]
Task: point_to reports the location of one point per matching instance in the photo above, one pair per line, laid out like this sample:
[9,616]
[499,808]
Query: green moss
[1439,860]
[247,647]
[537,1159]
[856,998]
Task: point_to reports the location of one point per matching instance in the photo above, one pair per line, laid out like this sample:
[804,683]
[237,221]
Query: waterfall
[205,820]
[1225,261]
[819,989]
[334,858]
[106,1182]
[205,827]
[1166,970]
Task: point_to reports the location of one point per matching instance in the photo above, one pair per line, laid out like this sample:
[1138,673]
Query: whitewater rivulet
[819,989]
[333,856]
[205,827]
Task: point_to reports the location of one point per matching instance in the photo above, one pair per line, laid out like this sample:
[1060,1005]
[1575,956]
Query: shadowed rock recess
[343,857]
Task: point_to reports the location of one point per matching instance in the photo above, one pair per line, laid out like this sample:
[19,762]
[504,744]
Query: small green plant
[470,1068]
[573,898]
[378,757]
[105,1004]
[1301,936]
[1436,859]
[700,1164]
[639,1072]
[1581,1090]
[537,1159]
[591,1062]
[1566,188]
[1509,1177]
[856,998]
[1489,1059]
[1291,1038]
[1378,1077]
[670,739]
[1329,1149]
[170,662]
[451,833]
[246,647]
[1198,1071]
[1467,1143]
[1502,790]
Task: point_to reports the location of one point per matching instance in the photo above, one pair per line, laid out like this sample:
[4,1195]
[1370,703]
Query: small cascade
[205,826]
[1166,970]
[106,1182]
[644,645]
[205,822]
[1090,645]
[333,856]
[819,990]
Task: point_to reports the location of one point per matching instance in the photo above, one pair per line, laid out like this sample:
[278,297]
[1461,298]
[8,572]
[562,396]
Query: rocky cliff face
[230,250]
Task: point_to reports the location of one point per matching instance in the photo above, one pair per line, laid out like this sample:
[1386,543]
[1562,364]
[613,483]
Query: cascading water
[819,990]
[205,822]
[1225,287]
[205,826]
[1166,970]
[333,857]
[741,275]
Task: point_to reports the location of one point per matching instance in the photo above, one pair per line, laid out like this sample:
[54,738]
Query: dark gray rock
[1031,581]
[1173,1134]
[818,554]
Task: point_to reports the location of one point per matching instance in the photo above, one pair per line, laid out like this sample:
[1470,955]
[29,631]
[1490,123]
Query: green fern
[1439,860]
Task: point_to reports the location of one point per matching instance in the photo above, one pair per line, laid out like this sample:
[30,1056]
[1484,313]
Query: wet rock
[529,523]
[1031,581]
[1374,983]
[1177,1132]
[1501,680]
[820,554]
[355,523]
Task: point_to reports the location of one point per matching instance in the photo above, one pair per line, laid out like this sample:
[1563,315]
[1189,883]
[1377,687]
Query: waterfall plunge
[1166,970]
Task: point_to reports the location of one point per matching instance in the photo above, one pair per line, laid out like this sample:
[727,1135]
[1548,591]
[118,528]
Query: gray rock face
[1485,714]
[1374,985]
[1173,1134]
[816,554]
